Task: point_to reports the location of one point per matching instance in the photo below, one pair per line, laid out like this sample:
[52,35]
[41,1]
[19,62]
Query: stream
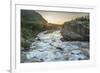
[48,47]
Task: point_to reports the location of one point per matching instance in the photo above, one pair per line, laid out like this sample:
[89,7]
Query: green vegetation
[81,21]
[31,24]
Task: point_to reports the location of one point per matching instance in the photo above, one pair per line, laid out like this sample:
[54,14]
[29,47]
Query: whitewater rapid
[48,46]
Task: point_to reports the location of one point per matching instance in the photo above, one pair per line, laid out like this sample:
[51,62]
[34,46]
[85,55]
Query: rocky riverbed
[49,46]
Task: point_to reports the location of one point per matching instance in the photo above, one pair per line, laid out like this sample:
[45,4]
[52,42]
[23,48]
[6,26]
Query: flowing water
[48,46]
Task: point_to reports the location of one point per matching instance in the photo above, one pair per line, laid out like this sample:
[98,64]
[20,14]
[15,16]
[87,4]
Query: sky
[60,17]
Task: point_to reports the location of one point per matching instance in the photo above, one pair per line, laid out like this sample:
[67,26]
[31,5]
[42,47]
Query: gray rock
[71,36]
[76,30]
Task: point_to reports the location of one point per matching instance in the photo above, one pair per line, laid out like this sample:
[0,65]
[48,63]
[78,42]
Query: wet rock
[71,36]
[60,48]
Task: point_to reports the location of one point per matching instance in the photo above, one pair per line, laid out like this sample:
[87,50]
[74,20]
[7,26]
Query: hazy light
[60,17]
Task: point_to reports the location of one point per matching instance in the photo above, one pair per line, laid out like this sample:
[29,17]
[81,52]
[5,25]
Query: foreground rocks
[48,47]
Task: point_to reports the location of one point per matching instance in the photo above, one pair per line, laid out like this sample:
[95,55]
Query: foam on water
[51,48]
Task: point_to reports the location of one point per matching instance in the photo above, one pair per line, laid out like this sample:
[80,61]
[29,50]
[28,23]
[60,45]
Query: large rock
[71,36]
[76,30]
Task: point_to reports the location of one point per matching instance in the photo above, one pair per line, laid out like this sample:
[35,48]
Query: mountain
[31,24]
[51,26]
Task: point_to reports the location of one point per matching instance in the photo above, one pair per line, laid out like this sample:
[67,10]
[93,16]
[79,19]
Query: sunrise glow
[60,17]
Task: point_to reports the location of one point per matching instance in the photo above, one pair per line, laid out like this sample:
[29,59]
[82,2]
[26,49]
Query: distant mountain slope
[51,26]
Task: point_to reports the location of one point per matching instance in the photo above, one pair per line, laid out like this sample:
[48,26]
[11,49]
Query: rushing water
[49,47]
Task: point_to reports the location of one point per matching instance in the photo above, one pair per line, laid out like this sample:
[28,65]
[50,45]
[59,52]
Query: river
[48,47]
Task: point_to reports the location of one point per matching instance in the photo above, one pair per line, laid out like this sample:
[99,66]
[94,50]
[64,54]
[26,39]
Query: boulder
[71,36]
[76,30]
